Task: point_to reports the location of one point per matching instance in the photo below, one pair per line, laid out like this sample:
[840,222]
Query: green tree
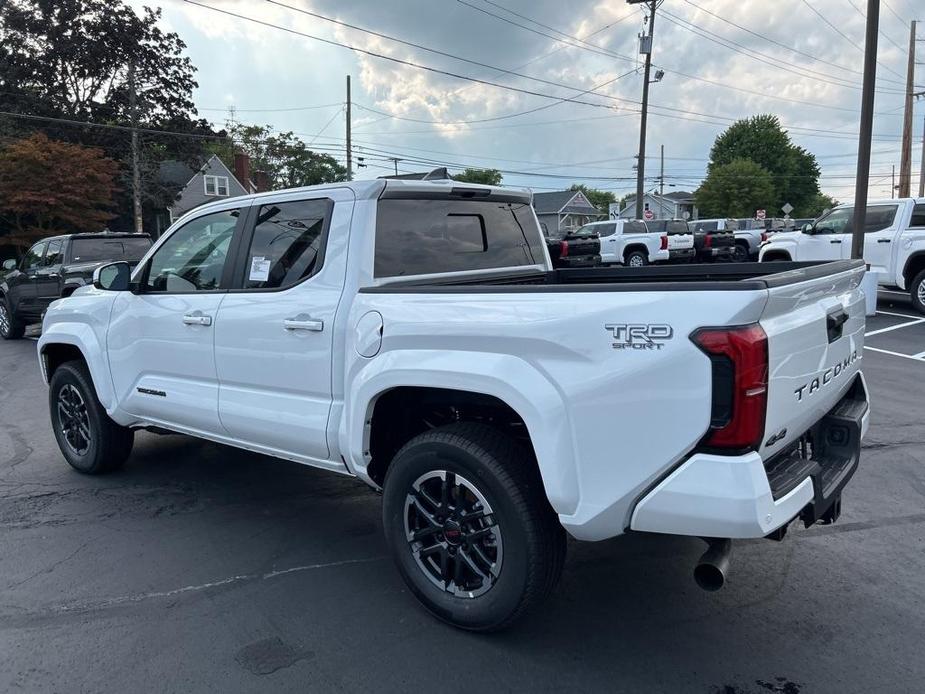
[815,207]
[48,186]
[761,139]
[71,60]
[601,199]
[735,189]
[488,177]
[287,161]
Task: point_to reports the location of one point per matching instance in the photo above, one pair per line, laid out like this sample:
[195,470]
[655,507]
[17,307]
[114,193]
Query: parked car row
[54,268]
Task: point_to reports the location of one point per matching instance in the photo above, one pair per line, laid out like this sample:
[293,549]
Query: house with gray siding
[563,211]
[675,205]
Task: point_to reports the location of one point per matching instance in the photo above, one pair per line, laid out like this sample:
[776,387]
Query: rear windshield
[91,250]
[676,226]
[705,226]
[418,237]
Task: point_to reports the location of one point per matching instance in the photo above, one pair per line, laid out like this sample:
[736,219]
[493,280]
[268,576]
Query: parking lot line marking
[895,327]
[916,357]
[893,313]
[920,355]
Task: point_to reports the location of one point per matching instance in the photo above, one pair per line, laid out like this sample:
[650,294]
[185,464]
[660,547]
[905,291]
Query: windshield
[839,221]
[93,250]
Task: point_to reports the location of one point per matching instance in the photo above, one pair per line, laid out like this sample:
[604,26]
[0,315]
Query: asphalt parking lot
[204,568]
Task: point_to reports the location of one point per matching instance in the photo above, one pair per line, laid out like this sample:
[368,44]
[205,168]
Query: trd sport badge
[639,336]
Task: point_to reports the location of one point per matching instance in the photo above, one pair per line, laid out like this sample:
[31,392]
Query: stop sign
[648,214]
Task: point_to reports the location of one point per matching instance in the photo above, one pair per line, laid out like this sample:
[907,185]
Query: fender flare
[81,336]
[538,402]
[905,275]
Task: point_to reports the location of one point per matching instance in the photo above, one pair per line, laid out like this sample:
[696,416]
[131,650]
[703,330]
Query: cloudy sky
[553,123]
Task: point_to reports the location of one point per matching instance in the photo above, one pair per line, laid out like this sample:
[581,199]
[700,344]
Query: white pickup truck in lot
[894,243]
[413,334]
[629,242]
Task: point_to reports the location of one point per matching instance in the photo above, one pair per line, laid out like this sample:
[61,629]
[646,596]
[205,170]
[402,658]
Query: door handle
[883,240]
[304,322]
[197,319]
[835,241]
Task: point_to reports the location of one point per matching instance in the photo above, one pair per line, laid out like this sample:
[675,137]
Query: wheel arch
[635,246]
[479,387]
[915,263]
[57,347]
[775,254]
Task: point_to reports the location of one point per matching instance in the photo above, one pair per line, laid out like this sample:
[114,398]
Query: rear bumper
[723,252]
[683,255]
[745,497]
[578,261]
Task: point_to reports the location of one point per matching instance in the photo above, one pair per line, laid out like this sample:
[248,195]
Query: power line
[881,31]
[124,128]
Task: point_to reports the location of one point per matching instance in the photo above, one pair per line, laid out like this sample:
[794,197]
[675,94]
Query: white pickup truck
[631,243]
[414,335]
[894,243]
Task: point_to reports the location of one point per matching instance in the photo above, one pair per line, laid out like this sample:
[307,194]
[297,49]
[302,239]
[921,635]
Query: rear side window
[288,244]
[918,216]
[418,237]
[634,228]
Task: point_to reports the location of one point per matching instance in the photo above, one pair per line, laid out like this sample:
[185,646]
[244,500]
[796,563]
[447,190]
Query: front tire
[469,526]
[11,327]
[90,441]
[917,292]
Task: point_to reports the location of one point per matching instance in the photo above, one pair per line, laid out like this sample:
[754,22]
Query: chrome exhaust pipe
[711,569]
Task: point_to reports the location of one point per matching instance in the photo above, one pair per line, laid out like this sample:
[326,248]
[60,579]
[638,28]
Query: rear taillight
[563,249]
[708,241]
[764,236]
[740,385]
[664,245]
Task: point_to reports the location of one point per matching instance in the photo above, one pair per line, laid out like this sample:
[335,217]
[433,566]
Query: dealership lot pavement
[203,568]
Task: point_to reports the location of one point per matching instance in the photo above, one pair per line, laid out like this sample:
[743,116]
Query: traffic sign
[759,214]
[648,214]
[787,208]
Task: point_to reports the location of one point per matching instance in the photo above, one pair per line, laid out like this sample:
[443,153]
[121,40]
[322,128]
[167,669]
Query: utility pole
[645,46]
[905,162]
[661,175]
[922,165]
[349,148]
[893,183]
[395,160]
[866,131]
[136,169]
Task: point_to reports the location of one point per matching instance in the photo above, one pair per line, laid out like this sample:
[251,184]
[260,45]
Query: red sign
[648,214]
[759,214]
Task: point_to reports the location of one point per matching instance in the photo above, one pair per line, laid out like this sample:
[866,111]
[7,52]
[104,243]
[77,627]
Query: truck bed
[707,277]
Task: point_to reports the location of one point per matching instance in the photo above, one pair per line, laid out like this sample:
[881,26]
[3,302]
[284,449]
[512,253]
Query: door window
[918,216]
[53,254]
[193,258]
[839,221]
[33,257]
[288,244]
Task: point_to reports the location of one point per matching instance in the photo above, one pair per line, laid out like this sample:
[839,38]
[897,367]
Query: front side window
[418,237]
[33,257]
[287,244]
[193,258]
[918,216]
[840,221]
[216,185]
[53,253]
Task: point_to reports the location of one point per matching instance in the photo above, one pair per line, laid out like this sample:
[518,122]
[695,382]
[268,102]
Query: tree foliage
[819,204]
[761,139]
[47,186]
[488,177]
[601,199]
[287,161]
[735,189]
[71,60]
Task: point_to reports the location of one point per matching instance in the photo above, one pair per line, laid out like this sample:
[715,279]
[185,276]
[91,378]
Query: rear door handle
[304,322]
[883,240]
[835,241]
[197,318]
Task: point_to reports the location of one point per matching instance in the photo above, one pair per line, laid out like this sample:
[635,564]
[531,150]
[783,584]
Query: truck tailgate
[815,331]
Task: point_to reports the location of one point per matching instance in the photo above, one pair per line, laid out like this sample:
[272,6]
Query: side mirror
[9,264]
[114,277]
[808,229]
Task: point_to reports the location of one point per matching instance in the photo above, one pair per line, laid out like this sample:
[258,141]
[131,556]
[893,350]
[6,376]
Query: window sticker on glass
[260,269]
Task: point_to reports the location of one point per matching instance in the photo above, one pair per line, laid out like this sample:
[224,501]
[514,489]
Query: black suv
[53,268]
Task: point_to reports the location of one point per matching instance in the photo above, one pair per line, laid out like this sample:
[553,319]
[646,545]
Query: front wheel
[91,442]
[469,526]
[917,292]
[11,328]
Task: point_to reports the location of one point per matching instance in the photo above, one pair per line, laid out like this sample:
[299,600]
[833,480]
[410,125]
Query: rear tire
[90,441]
[740,253]
[11,327]
[917,292]
[487,546]
[636,259]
